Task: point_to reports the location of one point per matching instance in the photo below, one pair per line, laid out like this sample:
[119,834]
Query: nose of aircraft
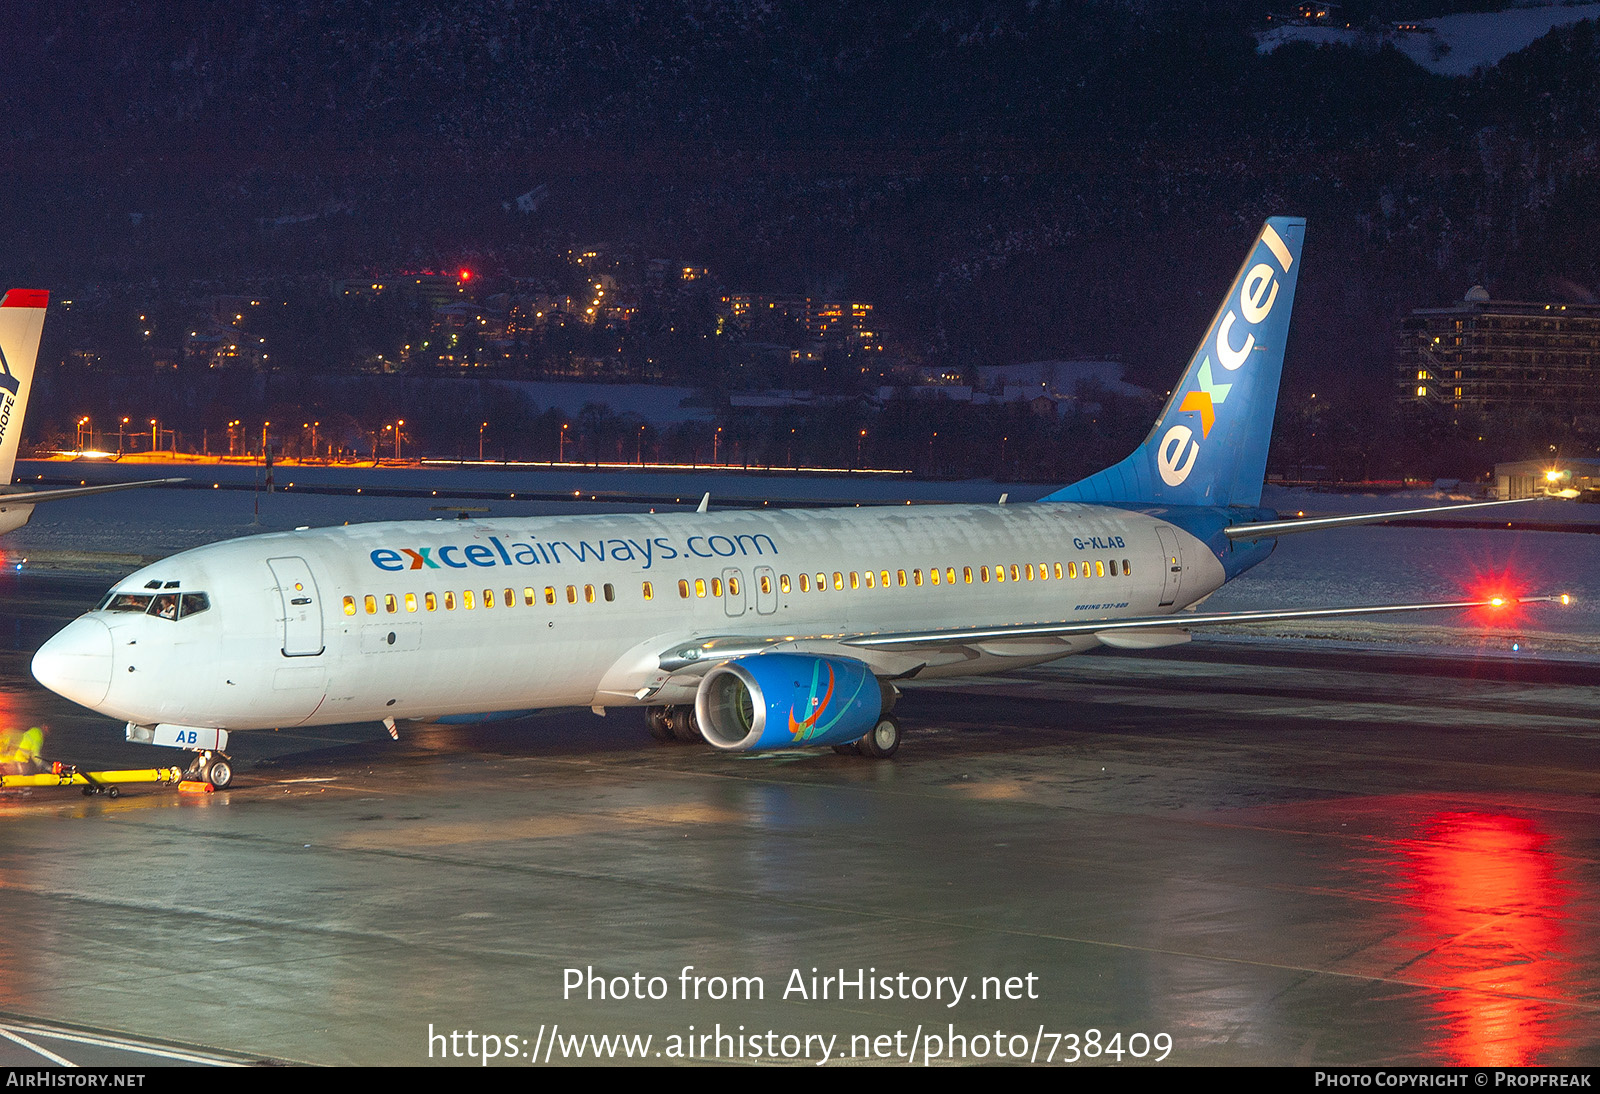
[76,663]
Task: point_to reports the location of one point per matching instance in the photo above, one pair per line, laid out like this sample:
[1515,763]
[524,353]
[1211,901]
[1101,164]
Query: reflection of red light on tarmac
[1484,891]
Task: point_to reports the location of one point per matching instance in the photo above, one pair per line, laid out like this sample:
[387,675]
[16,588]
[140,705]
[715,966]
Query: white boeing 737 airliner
[754,629]
[21,322]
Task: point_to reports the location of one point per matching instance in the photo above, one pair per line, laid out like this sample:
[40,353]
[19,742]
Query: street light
[264,439]
[561,451]
[153,441]
[716,441]
[121,429]
[481,427]
[398,425]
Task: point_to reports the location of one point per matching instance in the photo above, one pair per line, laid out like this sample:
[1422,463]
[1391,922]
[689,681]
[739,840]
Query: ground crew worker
[30,748]
[20,755]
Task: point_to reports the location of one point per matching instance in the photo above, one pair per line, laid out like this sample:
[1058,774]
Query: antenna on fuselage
[705,503]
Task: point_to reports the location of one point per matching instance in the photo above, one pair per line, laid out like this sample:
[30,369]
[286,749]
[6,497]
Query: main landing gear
[212,767]
[880,744]
[668,724]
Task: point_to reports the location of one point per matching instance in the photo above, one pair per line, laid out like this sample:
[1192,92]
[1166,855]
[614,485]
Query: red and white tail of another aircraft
[21,322]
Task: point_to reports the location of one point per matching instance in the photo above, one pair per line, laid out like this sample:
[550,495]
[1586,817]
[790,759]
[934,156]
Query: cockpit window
[173,605]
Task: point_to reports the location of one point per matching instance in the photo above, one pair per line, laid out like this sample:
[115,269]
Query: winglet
[705,503]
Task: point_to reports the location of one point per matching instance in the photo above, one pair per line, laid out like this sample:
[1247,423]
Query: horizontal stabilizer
[35,497]
[1268,529]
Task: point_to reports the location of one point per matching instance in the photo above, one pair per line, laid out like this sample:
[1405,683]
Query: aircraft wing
[34,497]
[904,652]
[1109,628]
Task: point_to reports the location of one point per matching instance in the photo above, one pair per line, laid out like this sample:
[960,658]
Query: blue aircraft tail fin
[1209,446]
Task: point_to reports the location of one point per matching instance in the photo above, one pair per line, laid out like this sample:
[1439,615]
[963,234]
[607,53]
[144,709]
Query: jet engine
[787,700]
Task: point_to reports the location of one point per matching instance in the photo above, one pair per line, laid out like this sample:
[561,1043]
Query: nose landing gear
[212,767]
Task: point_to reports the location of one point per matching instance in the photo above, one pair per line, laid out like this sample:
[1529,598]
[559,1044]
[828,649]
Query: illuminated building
[1485,356]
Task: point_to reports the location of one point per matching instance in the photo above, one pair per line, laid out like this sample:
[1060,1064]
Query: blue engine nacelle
[787,700]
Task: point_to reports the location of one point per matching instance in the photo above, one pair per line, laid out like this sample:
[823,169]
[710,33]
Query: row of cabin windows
[471,599]
[699,587]
[886,579]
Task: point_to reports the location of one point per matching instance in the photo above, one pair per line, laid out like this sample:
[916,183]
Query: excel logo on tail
[1257,292]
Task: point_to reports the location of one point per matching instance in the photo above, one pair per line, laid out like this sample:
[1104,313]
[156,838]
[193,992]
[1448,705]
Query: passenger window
[1028,570]
[349,605]
[733,586]
[869,579]
[488,598]
[527,596]
[683,589]
[411,602]
[609,592]
[450,601]
[766,584]
[430,602]
[466,600]
[389,603]
[1099,569]
[838,580]
[983,574]
[370,603]
[884,574]
[588,594]
[1058,571]
[1127,568]
[934,574]
[195,603]
[805,583]
[966,575]
[1072,569]
[1113,565]
[649,593]
[511,598]
[916,577]
[700,587]
[950,575]
[855,580]
[783,583]
[1086,568]
[572,594]
[549,594]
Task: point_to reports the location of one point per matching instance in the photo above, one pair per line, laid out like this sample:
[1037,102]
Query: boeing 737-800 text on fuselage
[755,629]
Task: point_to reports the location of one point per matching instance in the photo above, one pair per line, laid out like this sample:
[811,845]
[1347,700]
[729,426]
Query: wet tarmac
[1268,854]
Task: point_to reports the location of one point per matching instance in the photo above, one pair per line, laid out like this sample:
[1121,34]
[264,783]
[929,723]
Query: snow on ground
[1366,565]
[1457,45]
